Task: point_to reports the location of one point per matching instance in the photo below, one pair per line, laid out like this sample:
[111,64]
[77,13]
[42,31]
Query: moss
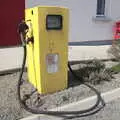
[116,68]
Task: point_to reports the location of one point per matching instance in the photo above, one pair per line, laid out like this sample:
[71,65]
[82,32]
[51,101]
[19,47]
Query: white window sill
[102,18]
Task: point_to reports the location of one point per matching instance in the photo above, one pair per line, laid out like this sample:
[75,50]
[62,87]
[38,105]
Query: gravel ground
[11,110]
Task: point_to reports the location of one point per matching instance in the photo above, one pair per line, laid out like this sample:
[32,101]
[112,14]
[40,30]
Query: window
[100,8]
[54,22]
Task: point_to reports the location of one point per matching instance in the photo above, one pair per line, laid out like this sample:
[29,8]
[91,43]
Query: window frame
[54,28]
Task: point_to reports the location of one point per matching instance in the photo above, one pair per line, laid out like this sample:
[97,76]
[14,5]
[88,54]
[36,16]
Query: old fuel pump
[44,35]
[47,55]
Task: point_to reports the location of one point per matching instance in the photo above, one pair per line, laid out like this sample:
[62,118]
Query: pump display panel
[54,22]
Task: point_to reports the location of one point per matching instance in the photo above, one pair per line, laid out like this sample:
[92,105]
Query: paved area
[110,112]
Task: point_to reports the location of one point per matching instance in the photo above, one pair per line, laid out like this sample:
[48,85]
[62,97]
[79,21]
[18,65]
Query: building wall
[11,14]
[83,26]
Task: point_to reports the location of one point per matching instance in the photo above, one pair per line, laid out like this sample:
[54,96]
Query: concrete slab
[11,58]
[77,53]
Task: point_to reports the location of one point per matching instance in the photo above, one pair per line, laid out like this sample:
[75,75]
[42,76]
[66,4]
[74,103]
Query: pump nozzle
[22,30]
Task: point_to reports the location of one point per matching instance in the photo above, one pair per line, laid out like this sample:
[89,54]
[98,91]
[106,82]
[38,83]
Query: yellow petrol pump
[44,37]
[47,55]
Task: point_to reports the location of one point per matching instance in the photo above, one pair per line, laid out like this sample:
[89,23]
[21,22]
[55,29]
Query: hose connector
[22,30]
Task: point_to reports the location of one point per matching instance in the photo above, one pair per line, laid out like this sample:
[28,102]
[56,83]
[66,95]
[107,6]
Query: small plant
[114,50]
[95,72]
[97,77]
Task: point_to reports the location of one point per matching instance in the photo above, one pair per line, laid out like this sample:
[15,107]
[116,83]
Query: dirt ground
[11,110]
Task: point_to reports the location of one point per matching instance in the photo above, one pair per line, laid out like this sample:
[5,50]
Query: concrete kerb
[82,104]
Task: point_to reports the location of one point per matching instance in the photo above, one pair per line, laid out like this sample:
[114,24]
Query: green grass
[116,68]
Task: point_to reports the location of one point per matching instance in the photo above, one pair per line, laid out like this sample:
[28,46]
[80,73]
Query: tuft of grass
[116,68]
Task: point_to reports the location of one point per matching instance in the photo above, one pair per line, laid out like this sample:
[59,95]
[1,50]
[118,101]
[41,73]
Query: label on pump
[52,63]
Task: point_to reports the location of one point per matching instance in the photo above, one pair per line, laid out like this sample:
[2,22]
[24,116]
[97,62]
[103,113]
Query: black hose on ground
[82,113]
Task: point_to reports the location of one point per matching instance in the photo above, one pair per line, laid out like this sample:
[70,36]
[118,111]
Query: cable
[82,113]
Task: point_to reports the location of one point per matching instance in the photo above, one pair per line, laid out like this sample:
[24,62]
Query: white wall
[82,28]
[82,25]
[114,9]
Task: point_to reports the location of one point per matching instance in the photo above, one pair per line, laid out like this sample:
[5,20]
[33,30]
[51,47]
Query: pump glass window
[54,22]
